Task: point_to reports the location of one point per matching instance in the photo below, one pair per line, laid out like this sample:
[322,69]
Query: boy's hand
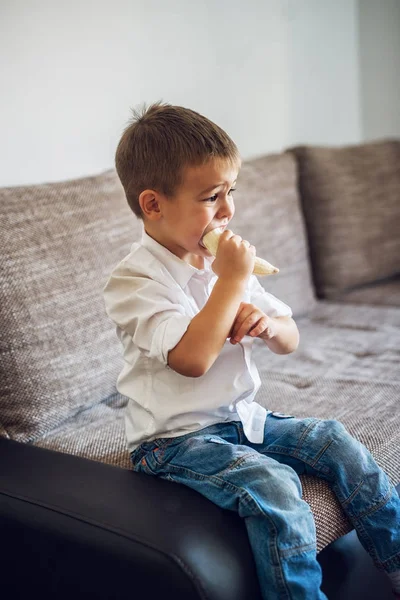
[235,257]
[250,320]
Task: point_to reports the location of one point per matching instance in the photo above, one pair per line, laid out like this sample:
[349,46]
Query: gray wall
[380,67]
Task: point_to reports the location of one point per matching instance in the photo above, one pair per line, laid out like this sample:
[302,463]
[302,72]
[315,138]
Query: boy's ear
[150,203]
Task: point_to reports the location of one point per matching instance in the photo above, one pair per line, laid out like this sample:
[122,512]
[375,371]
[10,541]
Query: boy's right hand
[235,257]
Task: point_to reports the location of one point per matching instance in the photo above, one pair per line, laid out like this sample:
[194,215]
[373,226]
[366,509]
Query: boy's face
[202,202]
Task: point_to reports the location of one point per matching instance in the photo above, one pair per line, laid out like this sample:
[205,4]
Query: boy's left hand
[250,320]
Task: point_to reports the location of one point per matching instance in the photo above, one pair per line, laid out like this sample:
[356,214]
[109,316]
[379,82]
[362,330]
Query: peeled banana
[261,267]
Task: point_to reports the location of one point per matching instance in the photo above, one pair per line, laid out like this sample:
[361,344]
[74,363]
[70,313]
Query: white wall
[273,73]
[323,69]
[380,67]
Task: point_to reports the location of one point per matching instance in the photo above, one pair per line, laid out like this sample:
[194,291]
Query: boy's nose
[227,208]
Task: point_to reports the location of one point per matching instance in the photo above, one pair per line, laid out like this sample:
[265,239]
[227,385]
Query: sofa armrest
[72,527]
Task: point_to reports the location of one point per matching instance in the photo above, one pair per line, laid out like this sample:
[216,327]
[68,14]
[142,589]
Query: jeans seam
[321,453]
[239,461]
[388,563]
[367,542]
[200,477]
[305,460]
[369,545]
[298,549]
[353,493]
[273,547]
[376,507]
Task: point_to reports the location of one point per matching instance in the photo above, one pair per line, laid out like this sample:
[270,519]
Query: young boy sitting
[187,322]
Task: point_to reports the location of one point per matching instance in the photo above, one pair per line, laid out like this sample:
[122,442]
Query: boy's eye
[214,198]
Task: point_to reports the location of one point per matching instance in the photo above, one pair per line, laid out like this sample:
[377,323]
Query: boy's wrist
[234,281]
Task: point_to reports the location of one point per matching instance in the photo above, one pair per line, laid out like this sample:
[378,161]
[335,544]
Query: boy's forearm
[205,337]
[286,340]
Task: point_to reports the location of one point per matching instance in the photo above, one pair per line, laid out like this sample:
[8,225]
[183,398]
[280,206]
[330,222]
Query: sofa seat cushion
[59,354]
[97,433]
[268,214]
[350,197]
[346,368]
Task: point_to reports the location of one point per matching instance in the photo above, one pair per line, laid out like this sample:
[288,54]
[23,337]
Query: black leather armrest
[76,528]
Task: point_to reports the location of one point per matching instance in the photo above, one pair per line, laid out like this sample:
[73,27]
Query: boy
[187,323]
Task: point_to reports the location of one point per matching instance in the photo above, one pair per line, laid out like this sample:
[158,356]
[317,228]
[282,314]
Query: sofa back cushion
[268,214]
[59,354]
[350,197]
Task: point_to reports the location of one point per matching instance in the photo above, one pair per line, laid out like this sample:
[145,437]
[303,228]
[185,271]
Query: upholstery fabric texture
[268,214]
[351,205]
[58,353]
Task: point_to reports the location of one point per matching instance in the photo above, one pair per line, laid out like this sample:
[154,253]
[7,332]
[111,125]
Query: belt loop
[240,433]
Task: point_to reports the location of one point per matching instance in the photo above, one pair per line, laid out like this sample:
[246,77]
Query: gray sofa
[329,218]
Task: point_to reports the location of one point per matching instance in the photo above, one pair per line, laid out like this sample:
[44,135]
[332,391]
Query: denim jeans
[261,483]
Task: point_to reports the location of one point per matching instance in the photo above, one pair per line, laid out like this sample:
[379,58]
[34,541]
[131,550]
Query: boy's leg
[327,450]
[264,492]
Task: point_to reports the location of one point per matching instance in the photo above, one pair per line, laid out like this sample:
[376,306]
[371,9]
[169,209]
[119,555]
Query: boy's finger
[246,326]
[259,327]
[236,327]
[235,331]
[241,319]
[241,315]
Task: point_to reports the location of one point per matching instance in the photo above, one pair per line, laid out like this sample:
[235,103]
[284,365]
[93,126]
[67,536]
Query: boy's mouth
[222,227]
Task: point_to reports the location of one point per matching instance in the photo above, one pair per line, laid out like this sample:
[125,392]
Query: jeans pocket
[136,456]
[140,454]
[140,465]
[145,468]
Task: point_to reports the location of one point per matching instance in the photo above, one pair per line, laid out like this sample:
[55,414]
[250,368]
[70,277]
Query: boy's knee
[273,491]
[338,442]
[279,483]
[333,430]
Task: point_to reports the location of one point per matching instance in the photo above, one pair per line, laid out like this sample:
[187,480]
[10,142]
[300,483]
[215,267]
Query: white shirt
[151,296]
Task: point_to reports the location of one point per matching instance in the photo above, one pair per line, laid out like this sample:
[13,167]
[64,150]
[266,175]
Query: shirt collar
[180,270]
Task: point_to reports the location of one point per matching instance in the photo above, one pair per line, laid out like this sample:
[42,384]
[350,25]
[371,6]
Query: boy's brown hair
[160,141]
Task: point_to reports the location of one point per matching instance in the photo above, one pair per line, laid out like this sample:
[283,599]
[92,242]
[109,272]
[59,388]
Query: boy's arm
[207,332]
[205,337]
[281,335]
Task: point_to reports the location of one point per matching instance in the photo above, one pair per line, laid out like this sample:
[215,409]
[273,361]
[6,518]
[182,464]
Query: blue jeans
[261,483]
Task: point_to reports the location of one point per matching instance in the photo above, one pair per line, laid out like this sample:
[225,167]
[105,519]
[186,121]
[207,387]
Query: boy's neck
[192,259]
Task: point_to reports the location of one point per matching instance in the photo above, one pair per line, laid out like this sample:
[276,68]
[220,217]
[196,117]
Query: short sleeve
[149,311]
[272,306]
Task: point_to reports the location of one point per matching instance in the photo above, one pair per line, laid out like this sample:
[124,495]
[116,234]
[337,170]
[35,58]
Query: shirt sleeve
[272,306]
[147,310]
